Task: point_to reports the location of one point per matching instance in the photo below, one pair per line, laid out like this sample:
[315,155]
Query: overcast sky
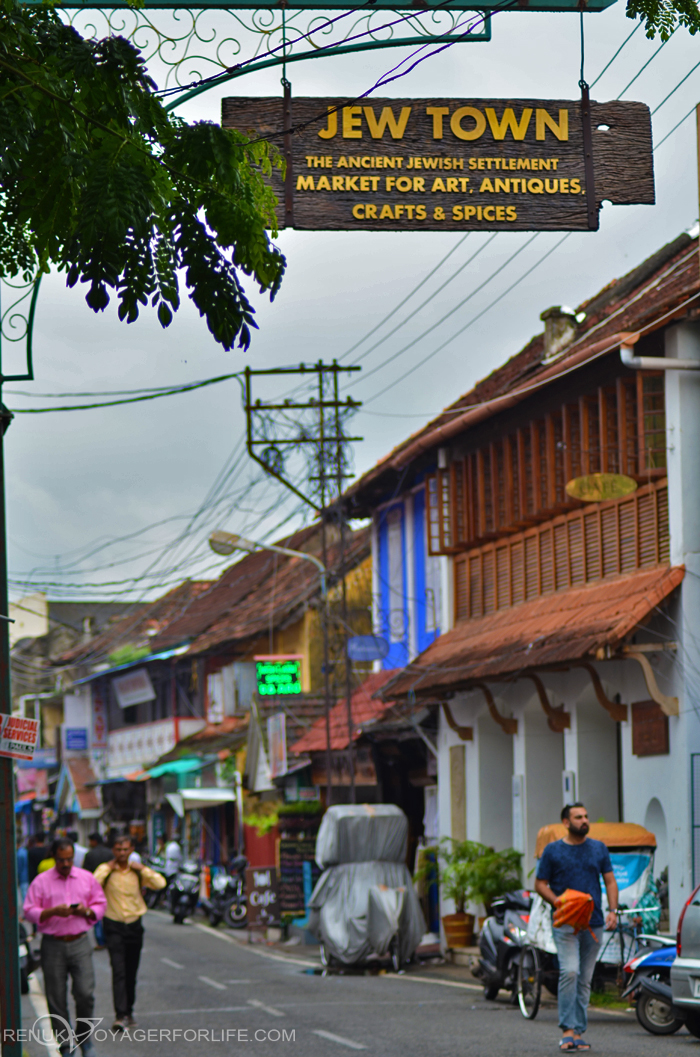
[77,480]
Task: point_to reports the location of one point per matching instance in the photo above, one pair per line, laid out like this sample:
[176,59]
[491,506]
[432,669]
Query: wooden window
[572,443]
[651,422]
[526,476]
[510,450]
[445,506]
[432,500]
[627,424]
[460,534]
[498,478]
[486,475]
[608,425]
[576,548]
[649,729]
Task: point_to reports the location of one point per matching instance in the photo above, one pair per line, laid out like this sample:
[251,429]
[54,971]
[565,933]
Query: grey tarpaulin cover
[362,833]
[356,906]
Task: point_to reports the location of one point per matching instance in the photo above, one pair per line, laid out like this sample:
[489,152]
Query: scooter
[227,901]
[183,893]
[500,942]
[152,897]
[649,987]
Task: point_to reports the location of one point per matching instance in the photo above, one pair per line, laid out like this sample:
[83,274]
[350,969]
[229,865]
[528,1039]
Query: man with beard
[577,862]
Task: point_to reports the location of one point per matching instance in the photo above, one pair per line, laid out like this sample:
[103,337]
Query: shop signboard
[18,737]
[262,896]
[450,164]
[278,675]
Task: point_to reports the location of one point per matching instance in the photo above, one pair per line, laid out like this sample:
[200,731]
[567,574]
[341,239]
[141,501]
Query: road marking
[173,965]
[250,949]
[265,1009]
[179,1012]
[38,1001]
[241,981]
[212,983]
[433,980]
[340,1040]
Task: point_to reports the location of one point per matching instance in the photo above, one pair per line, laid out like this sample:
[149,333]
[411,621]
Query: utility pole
[10,998]
[339,463]
[269,441]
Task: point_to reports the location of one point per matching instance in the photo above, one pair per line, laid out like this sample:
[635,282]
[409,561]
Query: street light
[227,543]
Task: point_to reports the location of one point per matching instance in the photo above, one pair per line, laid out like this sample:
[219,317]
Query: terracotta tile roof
[364,707]
[635,302]
[229,734]
[556,628]
[137,627]
[80,773]
[278,591]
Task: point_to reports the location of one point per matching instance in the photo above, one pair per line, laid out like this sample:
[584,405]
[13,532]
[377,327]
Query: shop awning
[551,630]
[197,799]
[184,766]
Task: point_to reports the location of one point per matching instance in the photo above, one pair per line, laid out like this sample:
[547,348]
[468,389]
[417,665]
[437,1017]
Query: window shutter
[502,577]
[662,522]
[646,521]
[476,608]
[460,533]
[609,541]
[591,533]
[489,586]
[517,577]
[576,570]
[433,513]
[561,557]
[628,536]
[461,588]
[546,562]
[532,567]
[445,508]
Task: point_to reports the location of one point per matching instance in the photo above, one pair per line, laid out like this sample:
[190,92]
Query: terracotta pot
[480,922]
[459,929]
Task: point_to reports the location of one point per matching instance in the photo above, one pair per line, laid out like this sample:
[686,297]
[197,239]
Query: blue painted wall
[397,656]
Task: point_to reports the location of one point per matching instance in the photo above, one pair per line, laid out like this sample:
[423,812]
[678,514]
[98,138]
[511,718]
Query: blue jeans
[99,934]
[577,956]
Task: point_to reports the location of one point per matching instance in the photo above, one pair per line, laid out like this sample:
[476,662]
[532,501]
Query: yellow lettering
[438,184]
[352,118]
[545,163]
[487,210]
[419,183]
[421,213]
[477,117]
[386,213]
[370,212]
[463,181]
[499,128]
[409,211]
[486,184]
[339,183]
[351,183]
[374,180]
[366,162]
[564,187]
[329,161]
[456,212]
[482,164]
[305,183]
[535,187]
[377,128]
[438,213]
[332,130]
[437,113]
[398,212]
[452,184]
[390,181]
[575,187]
[553,189]
[404,183]
[364,182]
[469,212]
[358,211]
[523,163]
[323,184]
[342,162]
[502,185]
[543,119]
[500,212]
[430,163]
[511,213]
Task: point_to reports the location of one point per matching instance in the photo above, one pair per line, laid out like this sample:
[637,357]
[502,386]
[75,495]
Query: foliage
[471,872]
[127,654]
[98,179]
[262,814]
[301,807]
[665,16]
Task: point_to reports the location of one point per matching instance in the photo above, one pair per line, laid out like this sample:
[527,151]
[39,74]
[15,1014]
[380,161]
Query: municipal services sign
[18,737]
[449,164]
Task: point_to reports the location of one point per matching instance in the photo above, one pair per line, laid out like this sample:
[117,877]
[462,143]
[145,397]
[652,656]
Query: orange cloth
[575,909]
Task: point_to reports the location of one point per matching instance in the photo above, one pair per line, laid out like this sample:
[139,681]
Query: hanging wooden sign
[450,164]
[599,487]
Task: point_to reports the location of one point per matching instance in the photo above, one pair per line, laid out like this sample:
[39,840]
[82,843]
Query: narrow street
[206,984]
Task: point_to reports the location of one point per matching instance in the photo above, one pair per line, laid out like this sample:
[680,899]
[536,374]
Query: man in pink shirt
[64,903]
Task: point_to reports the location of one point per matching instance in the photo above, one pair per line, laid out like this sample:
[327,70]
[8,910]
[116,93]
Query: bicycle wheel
[529,987]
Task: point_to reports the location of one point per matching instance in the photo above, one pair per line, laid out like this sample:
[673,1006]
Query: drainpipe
[653,363]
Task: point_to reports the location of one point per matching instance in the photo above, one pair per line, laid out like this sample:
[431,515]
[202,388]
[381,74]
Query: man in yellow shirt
[122,882]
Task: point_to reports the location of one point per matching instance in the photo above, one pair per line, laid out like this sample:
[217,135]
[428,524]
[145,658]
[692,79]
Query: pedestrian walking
[97,853]
[22,868]
[64,902]
[577,862]
[122,881]
[36,851]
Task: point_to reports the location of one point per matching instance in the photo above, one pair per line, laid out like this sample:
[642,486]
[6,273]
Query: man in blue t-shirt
[577,862]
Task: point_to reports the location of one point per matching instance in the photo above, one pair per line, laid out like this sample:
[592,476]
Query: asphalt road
[225,997]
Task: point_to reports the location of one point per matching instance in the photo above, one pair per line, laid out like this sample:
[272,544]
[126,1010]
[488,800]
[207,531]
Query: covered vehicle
[364,904]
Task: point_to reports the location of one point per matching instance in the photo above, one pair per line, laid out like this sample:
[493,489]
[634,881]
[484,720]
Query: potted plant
[457,858]
[492,874]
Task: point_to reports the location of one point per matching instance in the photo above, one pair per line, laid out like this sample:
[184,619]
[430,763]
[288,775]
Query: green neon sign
[278,676]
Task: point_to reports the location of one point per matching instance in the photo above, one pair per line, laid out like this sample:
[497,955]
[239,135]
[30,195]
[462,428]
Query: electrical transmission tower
[278,430]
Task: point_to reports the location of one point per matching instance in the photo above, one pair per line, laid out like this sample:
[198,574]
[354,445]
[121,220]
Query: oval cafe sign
[450,164]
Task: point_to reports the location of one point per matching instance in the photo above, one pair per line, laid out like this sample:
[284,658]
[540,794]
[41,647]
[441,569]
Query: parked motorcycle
[153,898]
[183,892]
[500,942]
[649,987]
[227,901]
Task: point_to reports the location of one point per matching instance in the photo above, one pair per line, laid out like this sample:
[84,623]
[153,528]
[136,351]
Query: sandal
[567,1044]
[581,1044]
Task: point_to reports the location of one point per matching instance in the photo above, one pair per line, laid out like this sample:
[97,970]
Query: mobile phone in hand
[74,906]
